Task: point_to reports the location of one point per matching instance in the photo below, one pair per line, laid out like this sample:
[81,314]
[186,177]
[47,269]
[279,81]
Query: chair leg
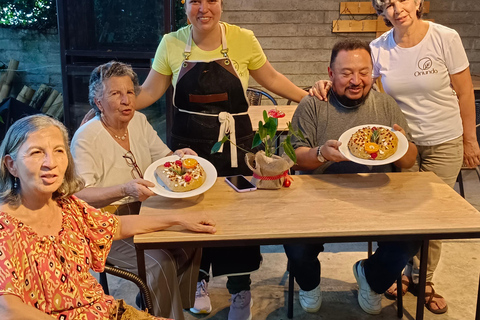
[460,183]
[399,297]
[104,283]
[477,314]
[370,249]
[291,292]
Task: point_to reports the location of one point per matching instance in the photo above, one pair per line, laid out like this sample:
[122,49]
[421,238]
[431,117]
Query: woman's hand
[90,115]
[198,222]
[185,151]
[138,189]
[131,225]
[320,89]
[471,153]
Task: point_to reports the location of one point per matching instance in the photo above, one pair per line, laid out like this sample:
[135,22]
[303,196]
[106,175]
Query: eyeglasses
[130,158]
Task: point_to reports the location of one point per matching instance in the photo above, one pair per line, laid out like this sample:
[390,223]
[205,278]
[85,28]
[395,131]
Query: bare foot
[392,291]
[433,301]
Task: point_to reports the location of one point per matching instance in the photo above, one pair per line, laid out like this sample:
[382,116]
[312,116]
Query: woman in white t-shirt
[424,67]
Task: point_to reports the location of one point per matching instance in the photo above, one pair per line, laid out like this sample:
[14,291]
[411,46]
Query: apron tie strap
[227,125]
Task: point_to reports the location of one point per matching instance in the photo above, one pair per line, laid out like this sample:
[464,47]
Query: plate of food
[181,178]
[373,144]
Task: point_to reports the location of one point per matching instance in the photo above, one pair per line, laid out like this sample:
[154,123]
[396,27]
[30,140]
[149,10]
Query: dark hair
[16,136]
[380,6]
[348,45]
[106,71]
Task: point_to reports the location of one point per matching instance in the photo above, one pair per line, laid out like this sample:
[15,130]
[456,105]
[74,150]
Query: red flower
[274,113]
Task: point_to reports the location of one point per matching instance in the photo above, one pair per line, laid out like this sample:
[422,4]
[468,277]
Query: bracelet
[320,156]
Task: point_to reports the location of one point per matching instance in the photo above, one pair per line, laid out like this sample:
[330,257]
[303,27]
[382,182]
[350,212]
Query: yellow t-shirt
[243,49]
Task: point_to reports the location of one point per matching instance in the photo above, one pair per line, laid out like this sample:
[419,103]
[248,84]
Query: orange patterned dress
[51,273]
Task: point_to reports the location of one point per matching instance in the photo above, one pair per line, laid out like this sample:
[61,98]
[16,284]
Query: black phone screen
[240,182]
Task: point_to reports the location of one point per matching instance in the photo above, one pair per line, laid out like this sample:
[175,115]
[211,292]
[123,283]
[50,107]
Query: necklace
[122,137]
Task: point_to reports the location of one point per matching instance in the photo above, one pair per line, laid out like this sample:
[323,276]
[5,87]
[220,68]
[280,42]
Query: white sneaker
[202,299]
[311,301]
[369,300]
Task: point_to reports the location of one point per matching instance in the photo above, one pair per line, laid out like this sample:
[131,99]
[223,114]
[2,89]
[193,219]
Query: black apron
[205,94]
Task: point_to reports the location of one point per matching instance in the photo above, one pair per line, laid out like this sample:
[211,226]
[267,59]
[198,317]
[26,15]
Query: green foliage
[28,14]
[180,16]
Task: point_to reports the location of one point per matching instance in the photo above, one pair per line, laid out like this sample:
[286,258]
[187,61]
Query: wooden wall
[297,35]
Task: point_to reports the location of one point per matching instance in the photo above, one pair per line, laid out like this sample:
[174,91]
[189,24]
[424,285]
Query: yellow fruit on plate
[371,147]
[189,163]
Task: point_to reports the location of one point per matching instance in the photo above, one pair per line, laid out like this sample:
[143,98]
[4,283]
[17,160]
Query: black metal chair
[254,97]
[477,169]
[146,298]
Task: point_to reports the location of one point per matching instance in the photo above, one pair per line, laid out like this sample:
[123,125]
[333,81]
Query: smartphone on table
[240,183]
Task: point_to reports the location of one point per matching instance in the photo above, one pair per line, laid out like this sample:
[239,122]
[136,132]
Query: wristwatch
[320,156]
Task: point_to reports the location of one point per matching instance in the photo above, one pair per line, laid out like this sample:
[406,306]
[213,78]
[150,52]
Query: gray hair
[16,136]
[104,72]
[381,5]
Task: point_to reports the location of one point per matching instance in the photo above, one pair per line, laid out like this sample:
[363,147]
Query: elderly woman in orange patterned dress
[49,239]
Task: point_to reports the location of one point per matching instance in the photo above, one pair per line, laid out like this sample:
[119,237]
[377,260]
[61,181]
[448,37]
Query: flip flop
[405,286]
[430,297]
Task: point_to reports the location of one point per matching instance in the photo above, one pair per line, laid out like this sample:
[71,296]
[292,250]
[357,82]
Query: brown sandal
[430,297]
[405,286]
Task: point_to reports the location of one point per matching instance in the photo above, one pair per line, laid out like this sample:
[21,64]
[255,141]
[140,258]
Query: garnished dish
[373,143]
[181,175]
[366,159]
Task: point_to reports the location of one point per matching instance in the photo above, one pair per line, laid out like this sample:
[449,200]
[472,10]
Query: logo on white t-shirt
[425,65]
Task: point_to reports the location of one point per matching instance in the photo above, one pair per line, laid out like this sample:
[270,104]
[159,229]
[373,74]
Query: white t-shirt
[99,158]
[418,79]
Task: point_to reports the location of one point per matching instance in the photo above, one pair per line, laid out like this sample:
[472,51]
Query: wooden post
[56,110]
[26,95]
[40,96]
[51,98]
[7,85]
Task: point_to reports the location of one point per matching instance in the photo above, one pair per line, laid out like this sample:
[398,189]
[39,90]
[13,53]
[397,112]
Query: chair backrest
[255,97]
[289,102]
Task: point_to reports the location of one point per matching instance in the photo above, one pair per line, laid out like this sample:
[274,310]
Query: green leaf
[256,140]
[288,148]
[218,144]
[262,131]
[271,126]
[296,133]
[265,116]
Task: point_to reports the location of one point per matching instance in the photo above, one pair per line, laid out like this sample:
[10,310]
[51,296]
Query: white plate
[162,190]
[401,148]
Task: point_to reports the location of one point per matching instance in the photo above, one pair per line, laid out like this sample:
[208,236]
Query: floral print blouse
[51,273]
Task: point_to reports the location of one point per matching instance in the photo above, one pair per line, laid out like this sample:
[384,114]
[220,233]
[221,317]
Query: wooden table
[322,208]
[256,115]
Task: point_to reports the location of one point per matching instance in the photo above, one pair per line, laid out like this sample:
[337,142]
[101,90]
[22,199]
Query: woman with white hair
[111,152]
[419,63]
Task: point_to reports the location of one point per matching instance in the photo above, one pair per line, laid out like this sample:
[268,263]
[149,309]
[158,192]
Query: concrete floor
[456,279]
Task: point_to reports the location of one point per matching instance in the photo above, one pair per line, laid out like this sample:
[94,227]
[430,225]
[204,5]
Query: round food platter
[401,148]
[162,190]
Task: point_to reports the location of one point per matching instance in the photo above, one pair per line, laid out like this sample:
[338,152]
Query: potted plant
[270,171]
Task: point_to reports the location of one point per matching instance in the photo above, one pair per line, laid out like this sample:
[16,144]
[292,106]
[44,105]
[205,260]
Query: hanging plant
[28,14]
